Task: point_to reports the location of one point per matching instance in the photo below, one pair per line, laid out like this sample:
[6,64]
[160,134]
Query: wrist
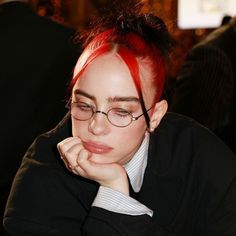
[120,185]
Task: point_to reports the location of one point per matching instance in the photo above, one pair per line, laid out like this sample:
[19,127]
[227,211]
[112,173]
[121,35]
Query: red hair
[129,47]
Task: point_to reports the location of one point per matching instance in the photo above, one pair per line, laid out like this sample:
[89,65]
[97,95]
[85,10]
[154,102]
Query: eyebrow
[110,99]
[83,93]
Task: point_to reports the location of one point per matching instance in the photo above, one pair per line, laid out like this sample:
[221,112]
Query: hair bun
[150,27]
[126,16]
[142,24]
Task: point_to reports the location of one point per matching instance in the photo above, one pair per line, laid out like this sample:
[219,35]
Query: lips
[97,148]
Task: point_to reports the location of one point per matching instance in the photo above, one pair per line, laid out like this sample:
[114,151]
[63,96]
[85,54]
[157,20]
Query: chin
[101,159]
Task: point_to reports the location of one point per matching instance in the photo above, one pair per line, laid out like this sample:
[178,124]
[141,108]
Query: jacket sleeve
[44,204]
[103,222]
[42,207]
[48,200]
[221,223]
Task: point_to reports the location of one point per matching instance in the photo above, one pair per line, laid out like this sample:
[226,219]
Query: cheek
[78,127]
[129,139]
[132,134]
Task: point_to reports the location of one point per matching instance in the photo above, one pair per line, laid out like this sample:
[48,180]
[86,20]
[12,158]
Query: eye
[83,106]
[120,112]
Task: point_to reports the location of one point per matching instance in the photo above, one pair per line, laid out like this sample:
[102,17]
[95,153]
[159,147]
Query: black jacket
[189,183]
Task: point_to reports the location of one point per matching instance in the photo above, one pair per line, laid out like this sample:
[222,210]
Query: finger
[84,163]
[60,145]
[63,148]
[77,170]
[81,158]
[72,154]
[66,144]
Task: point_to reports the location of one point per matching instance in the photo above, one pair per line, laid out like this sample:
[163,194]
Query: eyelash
[88,102]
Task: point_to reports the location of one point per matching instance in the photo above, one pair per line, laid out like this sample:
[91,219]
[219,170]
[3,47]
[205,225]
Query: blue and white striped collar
[135,168]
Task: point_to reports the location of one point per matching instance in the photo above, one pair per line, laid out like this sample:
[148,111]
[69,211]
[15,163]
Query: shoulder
[182,147]
[182,138]
[180,127]
[178,123]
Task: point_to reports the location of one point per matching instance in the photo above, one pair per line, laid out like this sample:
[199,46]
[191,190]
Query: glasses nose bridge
[98,125]
[102,112]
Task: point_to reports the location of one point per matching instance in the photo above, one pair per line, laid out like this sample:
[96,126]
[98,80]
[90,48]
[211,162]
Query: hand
[78,160]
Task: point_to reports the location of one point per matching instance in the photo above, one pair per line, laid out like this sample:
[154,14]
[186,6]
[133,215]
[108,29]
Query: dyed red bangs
[129,46]
[101,50]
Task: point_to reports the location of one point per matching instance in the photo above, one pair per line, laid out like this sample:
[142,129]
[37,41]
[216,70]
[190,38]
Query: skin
[98,150]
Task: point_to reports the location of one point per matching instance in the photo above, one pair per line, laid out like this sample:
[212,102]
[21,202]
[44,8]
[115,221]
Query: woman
[131,168]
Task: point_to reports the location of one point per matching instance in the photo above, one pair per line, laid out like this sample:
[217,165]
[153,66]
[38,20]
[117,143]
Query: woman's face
[106,83]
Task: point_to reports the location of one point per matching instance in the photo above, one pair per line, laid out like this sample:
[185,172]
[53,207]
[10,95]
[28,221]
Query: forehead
[107,72]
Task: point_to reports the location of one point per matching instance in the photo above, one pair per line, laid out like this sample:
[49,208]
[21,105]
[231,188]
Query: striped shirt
[115,201]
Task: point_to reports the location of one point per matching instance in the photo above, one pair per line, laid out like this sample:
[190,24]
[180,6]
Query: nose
[99,125]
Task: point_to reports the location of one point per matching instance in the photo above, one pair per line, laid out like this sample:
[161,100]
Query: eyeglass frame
[133,118]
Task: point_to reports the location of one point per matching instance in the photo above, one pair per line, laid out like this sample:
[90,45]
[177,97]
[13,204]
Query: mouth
[97,148]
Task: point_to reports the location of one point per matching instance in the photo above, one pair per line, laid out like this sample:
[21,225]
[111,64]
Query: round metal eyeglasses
[116,116]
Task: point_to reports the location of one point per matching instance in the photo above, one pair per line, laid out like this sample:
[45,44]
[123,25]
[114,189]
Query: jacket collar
[162,188]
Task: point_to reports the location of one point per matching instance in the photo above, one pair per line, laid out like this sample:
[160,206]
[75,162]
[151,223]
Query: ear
[159,111]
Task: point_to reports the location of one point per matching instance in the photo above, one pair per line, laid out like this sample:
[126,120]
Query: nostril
[98,125]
